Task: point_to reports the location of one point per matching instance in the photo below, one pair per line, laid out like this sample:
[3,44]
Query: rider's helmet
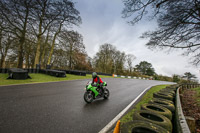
[94,75]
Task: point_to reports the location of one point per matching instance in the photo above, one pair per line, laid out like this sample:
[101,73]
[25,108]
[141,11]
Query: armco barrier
[181,123]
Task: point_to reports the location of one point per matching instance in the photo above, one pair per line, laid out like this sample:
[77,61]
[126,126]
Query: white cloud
[102,23]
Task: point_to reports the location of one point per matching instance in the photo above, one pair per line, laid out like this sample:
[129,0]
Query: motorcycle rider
[97,80]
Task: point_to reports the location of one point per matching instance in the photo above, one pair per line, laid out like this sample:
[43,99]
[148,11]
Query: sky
[102,22]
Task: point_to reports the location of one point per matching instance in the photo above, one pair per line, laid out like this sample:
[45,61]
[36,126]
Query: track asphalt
[59,107]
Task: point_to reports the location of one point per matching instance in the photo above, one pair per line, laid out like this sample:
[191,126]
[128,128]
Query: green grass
[40,78]
[145,99]
[197,96]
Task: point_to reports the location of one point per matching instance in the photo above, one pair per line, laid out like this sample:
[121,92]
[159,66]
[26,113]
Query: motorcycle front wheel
[106,94]
[88,96]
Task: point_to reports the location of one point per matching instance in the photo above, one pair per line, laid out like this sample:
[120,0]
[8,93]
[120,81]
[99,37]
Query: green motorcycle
[93,91]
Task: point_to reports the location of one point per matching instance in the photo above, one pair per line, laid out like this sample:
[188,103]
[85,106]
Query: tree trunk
[39,36]
[43,55]
[3,62]
[27,58]
[44,50]
[1,48]
[20,53]
[70,62]
[52,48]
[53,43]
[22,40]
[70,57]
[37,55]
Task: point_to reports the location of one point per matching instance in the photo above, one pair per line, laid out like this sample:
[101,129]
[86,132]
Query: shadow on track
[96,103]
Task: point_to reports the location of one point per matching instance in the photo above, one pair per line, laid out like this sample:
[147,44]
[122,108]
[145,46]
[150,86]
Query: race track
[59,107]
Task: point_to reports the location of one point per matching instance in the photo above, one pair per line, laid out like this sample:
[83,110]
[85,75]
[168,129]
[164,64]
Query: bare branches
[28,21]
[178,23]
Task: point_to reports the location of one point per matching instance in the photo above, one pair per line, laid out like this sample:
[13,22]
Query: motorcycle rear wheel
[88,96]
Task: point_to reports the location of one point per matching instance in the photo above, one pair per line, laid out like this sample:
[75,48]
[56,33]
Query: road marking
[111,123]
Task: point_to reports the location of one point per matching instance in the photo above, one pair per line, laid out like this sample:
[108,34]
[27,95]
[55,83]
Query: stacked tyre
[155,116]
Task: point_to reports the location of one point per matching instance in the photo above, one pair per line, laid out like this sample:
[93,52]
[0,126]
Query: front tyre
[88,96]
[106,94]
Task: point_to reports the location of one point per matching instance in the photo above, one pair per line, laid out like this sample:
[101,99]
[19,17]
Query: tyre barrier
[4,70]
[168,91]
[157,109]
[155,118]
[75,72]
[142,127]
[165,104]
[164,96]
[55,73]
[164,100]
[17,73]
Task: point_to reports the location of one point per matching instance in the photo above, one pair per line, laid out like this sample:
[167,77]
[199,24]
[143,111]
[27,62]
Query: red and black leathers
[97,80]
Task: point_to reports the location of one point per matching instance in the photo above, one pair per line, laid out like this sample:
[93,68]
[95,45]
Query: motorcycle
[93,91]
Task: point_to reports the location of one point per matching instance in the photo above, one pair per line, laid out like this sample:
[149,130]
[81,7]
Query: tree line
[39,32]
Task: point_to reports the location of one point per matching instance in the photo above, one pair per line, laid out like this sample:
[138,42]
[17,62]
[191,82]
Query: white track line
[111,123]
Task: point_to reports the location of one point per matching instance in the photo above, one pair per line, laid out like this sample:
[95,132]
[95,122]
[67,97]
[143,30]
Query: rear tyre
[106,94]
[88,96]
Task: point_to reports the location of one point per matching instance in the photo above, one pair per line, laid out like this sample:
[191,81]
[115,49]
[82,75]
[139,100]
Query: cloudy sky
[102,22]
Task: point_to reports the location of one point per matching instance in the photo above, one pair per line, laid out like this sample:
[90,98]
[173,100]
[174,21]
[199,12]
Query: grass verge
[145,99]
[197,96]
[41,78]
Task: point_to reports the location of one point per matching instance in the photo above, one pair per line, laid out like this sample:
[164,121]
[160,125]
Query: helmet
[94,75]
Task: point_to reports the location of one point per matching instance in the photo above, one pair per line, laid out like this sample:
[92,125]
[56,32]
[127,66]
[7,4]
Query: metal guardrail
[181,125]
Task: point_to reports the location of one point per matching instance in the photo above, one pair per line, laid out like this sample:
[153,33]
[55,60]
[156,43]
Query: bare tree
[43,15]
[68,16]
[72,42]
[109,60]
[130,58]
[52,12]
[104,58]
[45,46]
[15,13]
[178,23]
[5,44]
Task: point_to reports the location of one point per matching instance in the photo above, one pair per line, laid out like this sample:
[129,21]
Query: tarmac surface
[59,107]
